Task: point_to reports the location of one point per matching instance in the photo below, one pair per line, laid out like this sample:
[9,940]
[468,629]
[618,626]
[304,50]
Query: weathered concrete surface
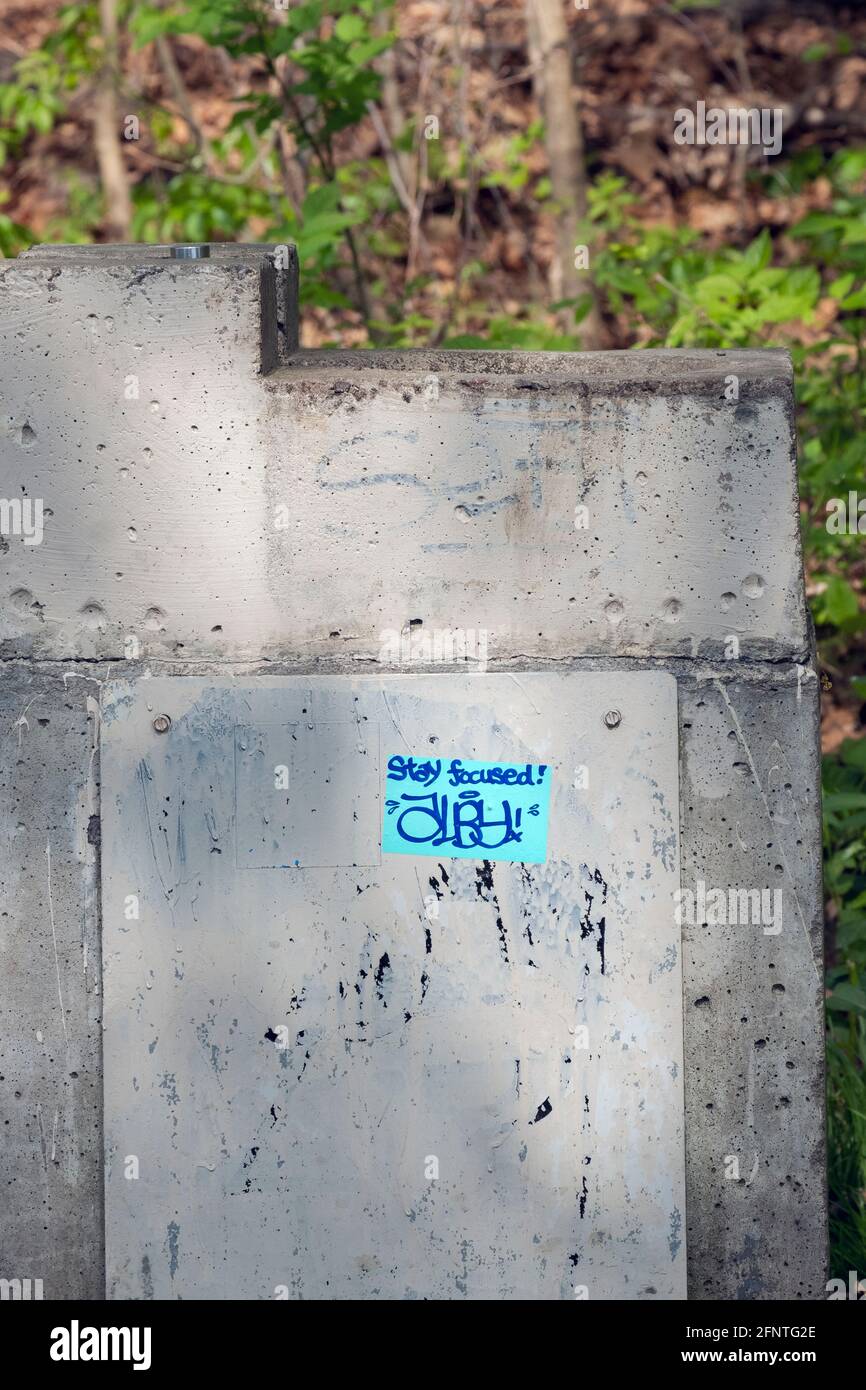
[51,967]
[133,413]
[380,461]
[465,483]
[753,996]
[458,477]
[275,263]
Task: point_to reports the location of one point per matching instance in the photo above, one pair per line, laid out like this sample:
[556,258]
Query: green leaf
[846,997]
[838,603]
[844,801]
[360,54]
[850,930]
[760,252]
[349,27]
[839,288]
[853,753]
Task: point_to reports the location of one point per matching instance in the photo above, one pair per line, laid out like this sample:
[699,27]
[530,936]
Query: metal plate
[395,1079]
[325,816]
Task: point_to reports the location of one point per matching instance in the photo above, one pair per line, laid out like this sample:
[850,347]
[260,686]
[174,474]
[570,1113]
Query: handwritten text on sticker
[471,810]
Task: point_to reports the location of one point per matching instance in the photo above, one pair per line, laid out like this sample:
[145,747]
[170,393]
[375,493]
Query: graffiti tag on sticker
[465,809]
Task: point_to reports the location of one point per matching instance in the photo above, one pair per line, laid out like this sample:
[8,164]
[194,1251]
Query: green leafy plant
[43,79]
[319,58]
[845,881]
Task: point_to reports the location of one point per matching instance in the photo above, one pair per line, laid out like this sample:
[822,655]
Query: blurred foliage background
[437,162]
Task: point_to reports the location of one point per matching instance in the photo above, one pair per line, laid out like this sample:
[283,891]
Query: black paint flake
[379,977]
[484,890]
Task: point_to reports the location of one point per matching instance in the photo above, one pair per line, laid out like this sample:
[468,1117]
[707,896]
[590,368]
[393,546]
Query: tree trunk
[551,63]
[106,132]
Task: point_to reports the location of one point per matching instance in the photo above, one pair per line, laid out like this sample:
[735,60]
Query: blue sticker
[460,809]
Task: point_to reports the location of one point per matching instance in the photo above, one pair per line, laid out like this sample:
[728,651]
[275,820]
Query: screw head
[613,719]
[162,723]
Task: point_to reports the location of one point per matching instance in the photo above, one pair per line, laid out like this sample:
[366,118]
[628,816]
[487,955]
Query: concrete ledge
[628,504]
[762,372]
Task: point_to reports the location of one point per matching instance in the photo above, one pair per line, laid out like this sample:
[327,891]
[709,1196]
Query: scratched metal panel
[365,1076]
[332,768]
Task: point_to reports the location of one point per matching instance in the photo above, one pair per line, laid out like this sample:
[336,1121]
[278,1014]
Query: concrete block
[220,506]
[575,504]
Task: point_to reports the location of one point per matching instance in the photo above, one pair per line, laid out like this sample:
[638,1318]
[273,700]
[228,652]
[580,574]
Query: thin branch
[171,72]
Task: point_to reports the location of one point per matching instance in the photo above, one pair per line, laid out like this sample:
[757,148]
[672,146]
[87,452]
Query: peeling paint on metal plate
[391,1078]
